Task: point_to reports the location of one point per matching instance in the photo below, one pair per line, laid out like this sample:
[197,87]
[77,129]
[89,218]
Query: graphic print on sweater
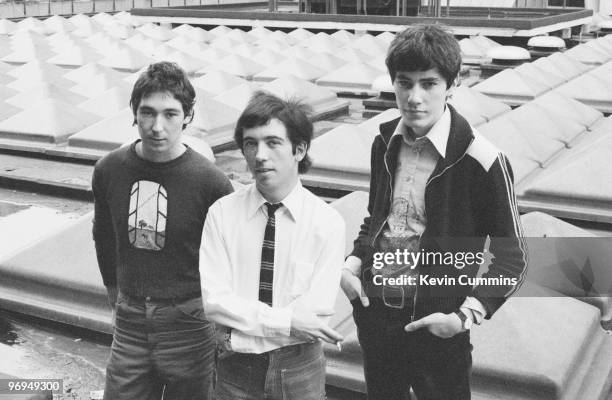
[147,215]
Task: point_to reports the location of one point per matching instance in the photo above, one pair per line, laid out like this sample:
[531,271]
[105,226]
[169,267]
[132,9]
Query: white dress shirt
[308,258]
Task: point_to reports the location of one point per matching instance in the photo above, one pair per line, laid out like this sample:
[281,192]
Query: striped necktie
[266,273]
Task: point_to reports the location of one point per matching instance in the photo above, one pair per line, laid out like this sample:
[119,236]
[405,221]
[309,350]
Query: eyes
[408,84]
[151,114]
[251,145]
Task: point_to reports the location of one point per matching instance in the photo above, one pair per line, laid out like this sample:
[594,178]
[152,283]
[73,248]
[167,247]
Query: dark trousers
[395,361]
[290,373]
[161,350]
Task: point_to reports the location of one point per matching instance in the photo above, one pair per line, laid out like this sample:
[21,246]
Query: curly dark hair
[422,47]
[292,113]
[165,77]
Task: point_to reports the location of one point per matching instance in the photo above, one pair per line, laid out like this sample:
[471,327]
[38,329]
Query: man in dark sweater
[437,191]
[151,199]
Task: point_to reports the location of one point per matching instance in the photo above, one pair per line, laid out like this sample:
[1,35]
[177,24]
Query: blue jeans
[161,349]
[290,373]
[395,360]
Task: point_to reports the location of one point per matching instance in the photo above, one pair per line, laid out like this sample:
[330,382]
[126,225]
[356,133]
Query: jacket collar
[459,138]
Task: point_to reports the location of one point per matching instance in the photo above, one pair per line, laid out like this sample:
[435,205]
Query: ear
[300,151]
[189,117]
[451,90]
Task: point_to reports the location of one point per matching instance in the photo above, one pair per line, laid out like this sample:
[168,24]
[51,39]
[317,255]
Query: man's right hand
[307,325]
[351,286]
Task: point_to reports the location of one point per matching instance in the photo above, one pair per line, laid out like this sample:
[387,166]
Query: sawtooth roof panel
[547,78]
[237,65]
[27,83]
[7,26]
[511,88]
[238,96]
[98,85]
[89,70]
[343,36]
[107,134]
[274,44]
[591,90]
[75,57]
[587,55]
[126,60]
[48,121]
[259,32]
[109,102]
[566,108]
[214,122]
[351,76]
[324,102]
[534,120]
[349,168]
[505,136]
[220,30]
[511,136]
[217,82]
[471,102]
[298,68]
[199,35]
[268,58]
[7,110]
[300,34]
[45,91]
[581,180]
[369,44]
[57,23]
[189,63]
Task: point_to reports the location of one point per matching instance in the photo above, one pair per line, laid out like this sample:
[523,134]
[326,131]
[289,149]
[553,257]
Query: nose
[415,95]
[262,152]
[158,124]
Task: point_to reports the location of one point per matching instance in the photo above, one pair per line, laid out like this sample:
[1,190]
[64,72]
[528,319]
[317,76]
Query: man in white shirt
[270,263]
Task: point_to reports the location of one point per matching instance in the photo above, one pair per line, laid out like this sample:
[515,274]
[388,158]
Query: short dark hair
[292,113]
[166,77]
[422,47]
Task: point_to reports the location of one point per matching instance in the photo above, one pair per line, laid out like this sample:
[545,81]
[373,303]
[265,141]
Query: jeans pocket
[304,382]
[192,309]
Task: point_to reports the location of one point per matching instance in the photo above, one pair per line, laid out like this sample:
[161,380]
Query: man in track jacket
[438,190]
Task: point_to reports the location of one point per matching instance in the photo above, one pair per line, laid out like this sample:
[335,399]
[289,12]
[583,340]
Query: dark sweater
[468,198]
[148,221]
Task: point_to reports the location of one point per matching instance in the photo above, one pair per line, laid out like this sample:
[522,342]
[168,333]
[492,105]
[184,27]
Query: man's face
[160,120]
[421,97]
[269,155]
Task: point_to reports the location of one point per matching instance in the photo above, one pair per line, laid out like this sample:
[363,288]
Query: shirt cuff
[476,307]
[276,320]
[353,264]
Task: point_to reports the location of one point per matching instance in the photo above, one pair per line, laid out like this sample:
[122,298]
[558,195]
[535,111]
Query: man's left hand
[439,324]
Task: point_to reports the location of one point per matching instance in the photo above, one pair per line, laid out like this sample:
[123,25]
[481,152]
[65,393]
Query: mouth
[263,170]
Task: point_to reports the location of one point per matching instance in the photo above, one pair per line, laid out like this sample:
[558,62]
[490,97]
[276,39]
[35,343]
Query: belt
[165,300]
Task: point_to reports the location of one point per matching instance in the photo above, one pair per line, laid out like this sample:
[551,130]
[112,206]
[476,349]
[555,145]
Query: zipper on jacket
[390,197]
[416,292]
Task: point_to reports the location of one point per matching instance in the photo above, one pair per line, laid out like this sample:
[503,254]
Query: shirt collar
[437,135]
[292,202]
